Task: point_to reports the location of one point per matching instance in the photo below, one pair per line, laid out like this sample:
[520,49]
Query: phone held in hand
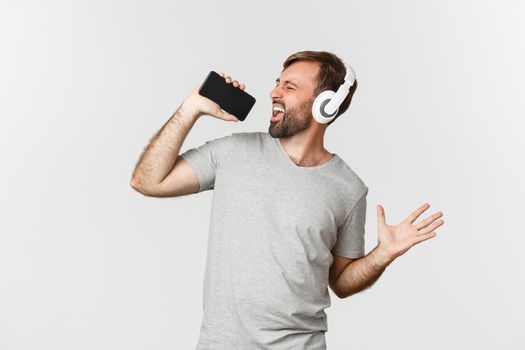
[230,98]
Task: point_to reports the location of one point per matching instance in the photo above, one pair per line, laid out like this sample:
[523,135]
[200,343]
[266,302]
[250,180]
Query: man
[287,219]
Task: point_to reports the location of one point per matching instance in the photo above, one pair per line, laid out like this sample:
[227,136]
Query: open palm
[397,239]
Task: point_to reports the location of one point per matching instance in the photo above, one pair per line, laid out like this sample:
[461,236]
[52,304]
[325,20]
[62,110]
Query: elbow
[341,294]
[149,190]
[134,183]
[139,187]
[337,292]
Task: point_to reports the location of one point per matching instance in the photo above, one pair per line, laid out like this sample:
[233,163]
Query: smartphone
[230,98]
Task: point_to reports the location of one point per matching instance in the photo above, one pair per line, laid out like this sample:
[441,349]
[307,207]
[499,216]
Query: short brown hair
[331,74]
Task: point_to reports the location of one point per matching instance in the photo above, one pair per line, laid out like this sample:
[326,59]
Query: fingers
[421,238]
[237,84]
[418,212]
[429,220]
[431,227]
[234,82]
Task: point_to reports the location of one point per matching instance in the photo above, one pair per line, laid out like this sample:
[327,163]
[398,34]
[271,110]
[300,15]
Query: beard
[293,121]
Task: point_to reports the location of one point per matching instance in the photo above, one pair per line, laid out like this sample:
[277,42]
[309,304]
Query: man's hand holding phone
[198,105]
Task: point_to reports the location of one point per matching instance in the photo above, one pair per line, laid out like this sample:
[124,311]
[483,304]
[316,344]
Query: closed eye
[288,87]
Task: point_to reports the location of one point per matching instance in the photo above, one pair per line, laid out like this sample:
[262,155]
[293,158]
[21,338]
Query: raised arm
[160,171]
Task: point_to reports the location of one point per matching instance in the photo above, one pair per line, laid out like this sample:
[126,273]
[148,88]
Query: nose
[276,93]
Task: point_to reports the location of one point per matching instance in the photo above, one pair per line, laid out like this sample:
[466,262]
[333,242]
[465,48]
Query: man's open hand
[395,240]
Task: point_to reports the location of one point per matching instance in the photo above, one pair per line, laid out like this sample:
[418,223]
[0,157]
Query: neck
[306,148]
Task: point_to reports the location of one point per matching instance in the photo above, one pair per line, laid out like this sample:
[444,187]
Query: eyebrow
[286,81]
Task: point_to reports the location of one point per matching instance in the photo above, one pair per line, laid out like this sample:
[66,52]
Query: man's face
[294,92]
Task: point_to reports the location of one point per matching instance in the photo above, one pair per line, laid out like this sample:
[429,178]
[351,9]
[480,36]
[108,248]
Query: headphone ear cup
[318,107]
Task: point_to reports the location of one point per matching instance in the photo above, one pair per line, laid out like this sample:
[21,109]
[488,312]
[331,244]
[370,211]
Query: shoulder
[351,180]
[249,135]
[235,138]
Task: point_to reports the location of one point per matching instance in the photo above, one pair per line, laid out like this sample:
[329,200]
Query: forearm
[362,273]
[160,155]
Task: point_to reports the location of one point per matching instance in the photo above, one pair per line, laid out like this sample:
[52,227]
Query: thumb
[381,215]
[227,116]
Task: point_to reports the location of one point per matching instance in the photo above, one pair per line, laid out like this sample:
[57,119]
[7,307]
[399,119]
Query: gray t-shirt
[274,226]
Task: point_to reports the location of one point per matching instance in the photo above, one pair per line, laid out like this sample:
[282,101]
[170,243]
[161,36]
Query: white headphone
[326,104]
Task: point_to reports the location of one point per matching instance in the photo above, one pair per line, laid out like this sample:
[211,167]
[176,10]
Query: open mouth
[276,116]
[277,113]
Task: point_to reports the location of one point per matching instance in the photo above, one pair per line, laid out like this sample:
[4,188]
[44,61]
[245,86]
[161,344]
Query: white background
[88,263]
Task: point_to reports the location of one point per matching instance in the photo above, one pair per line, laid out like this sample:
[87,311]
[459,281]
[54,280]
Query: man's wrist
[187,113]
[382,257]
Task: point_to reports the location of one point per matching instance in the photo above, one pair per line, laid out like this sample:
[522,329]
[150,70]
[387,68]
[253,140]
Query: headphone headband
[335,101]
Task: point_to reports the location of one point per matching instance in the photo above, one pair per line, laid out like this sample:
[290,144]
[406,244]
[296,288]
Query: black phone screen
[230,98]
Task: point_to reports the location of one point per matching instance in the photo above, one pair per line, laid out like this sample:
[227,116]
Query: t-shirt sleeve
[206,159]
[351,234]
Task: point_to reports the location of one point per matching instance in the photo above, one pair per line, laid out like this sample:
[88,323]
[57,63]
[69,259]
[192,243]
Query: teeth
[278,109]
